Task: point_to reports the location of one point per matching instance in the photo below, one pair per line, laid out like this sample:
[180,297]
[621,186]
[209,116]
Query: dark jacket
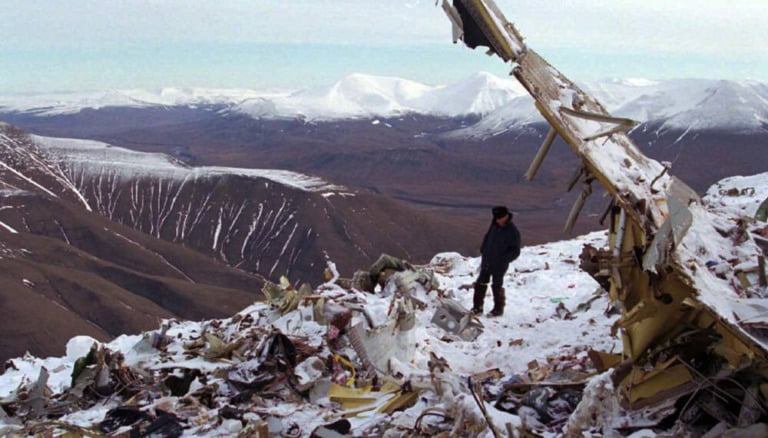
[501,245]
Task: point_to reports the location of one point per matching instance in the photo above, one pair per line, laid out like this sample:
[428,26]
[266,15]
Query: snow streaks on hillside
[246,217]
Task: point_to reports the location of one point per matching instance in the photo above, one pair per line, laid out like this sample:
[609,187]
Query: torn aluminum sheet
[454,318]
[669,235]
[414,284]
[337,429]
[284,297]
[308,373]
[394,339]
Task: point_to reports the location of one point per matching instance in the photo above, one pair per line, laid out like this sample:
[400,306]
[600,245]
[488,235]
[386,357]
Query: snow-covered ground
[544,278]
[739,195]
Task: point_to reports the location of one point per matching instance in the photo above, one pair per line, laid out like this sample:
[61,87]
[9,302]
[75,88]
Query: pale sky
[48,45]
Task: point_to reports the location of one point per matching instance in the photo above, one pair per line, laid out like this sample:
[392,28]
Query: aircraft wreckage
[693,326]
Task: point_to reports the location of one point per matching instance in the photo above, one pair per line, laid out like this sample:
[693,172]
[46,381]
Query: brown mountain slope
[272,223]
[66,271]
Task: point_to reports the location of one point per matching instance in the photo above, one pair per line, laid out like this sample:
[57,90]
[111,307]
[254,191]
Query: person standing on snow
[501,246]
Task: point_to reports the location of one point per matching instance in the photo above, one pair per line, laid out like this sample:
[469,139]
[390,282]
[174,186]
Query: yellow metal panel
[651,384]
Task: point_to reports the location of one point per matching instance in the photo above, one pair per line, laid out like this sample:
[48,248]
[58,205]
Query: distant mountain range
[449,151]
[701,104]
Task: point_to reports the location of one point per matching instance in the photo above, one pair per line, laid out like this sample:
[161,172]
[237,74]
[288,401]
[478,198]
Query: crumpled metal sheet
[669,235]
[375,346]
[454,318]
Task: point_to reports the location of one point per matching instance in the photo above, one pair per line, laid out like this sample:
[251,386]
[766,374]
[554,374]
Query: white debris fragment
[599,406]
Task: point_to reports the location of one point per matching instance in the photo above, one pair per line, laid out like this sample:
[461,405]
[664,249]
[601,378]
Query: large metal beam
[541,154]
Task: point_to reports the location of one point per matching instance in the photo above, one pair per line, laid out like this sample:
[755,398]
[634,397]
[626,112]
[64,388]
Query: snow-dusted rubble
[739,195]
[721,244]
[545,279]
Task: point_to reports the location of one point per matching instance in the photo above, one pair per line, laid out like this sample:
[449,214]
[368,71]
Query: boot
[479,298]
[498,301]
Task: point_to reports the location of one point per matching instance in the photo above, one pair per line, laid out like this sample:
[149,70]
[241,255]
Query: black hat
[500,212]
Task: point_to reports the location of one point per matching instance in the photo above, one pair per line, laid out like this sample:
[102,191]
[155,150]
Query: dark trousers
[495,272]
[481,285]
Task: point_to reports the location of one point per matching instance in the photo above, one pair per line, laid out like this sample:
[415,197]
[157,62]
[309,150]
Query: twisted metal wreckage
[693,327]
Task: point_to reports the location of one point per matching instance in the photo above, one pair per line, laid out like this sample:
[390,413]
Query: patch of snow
[79,346]
[98,157]
[8,227]
[27,179]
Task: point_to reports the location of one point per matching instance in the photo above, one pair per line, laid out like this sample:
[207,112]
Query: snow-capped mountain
[354,96]
[72,103]
[682,104]
[480,94]
[696,104]
[361,96]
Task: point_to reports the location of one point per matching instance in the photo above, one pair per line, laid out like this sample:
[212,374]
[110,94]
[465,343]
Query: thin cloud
[71,44]
[704,26]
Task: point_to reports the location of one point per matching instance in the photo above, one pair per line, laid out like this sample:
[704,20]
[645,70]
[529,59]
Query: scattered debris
[390,274]
[326,362]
